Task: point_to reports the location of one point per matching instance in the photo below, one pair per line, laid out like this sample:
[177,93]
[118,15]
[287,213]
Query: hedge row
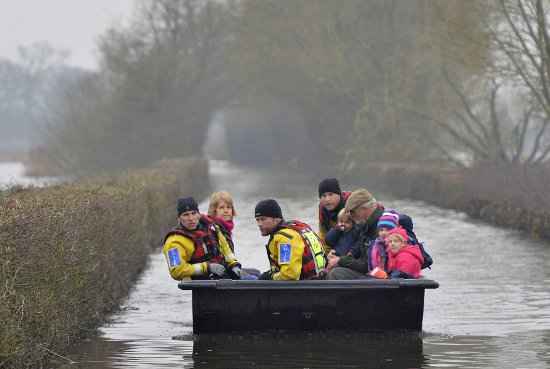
[511,197]
[70,253]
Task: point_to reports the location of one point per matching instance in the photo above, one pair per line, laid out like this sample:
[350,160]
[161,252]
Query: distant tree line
[459,81]
[28,86]
[160,81]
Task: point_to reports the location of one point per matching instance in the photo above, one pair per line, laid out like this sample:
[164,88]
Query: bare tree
[522,45]
[482,123]
[483,127]
[160,81]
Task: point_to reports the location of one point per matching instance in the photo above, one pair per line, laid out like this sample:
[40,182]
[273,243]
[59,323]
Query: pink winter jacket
[408,260]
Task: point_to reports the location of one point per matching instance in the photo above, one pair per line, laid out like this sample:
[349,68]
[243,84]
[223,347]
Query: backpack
[428,261]
[406,222]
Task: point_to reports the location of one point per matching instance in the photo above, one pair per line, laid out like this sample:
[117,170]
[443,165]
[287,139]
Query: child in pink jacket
[404,260]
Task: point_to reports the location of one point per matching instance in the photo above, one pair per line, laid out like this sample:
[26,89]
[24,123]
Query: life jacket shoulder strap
[314,255]
[296,225]
[287,235]
[180,232]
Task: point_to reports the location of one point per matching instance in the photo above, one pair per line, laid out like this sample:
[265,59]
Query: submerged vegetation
[70,253]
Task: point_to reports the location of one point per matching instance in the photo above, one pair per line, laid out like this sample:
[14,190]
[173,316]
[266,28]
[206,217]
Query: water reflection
[314,350]
[105,353]
[522,350]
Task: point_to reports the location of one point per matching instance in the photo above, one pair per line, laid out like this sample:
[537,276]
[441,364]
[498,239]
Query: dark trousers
[341,273]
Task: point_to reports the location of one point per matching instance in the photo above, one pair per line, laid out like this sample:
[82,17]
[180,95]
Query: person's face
[361,214]
[344,223]
[224,211]
[190,219]
[395,242]
[267,224]
[330,200]
[383,232]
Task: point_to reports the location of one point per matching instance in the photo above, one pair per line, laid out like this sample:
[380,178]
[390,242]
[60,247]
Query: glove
[236,271]
[378,273]
[216,269]
[266,276]
[321,275]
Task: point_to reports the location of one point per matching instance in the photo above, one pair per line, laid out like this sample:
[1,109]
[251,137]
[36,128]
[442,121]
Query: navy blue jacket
[342,242]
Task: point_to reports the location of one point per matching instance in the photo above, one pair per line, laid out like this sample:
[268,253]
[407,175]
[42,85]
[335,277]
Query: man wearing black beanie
[331,201]
[294,250]
[196,248]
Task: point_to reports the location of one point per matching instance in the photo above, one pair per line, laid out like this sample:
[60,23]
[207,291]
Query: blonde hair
[215,200]
[343,215]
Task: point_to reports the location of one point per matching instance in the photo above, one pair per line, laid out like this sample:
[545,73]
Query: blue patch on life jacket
[284,253]
[173,258]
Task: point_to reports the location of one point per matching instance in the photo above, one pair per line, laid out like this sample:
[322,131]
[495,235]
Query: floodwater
[13,173]
[492,309]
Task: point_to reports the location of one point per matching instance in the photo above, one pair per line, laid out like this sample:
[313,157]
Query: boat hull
[365,305]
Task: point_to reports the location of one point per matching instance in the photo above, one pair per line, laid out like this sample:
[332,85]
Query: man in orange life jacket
[197,248]
[331,201]
[294,250]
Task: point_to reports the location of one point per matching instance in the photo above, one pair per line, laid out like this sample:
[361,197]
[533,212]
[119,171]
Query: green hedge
[511,197]
[70,253]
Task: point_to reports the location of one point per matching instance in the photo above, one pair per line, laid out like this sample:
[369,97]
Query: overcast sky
[73,25]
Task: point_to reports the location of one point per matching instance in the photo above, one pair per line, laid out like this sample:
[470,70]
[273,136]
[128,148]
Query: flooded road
[13,173]
[492,309]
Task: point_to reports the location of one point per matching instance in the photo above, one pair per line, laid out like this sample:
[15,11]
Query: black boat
[361,305]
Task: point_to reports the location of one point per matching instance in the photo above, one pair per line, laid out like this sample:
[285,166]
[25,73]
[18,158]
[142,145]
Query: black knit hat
[329,185]
[268,208]
[187,204]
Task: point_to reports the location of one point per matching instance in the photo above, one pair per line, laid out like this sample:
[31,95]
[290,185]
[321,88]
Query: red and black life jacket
[205,239]
[327,219]
[313,258]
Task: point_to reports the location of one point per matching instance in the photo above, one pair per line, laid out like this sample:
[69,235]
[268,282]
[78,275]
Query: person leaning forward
[294,250]
[365,211]
[196,248]
[331,200]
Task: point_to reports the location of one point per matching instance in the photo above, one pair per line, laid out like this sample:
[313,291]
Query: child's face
[344,223]
[383,232]
[395,242]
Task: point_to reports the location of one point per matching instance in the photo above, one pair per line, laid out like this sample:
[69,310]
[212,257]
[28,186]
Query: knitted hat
[329,185]
[186,204]
[399,231]
[388,220]
[268,208]
[359,198]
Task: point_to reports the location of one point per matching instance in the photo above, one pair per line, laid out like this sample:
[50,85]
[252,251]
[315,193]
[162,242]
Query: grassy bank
[511,197]
[70,253]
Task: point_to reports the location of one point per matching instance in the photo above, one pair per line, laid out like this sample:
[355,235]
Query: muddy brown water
[492,309]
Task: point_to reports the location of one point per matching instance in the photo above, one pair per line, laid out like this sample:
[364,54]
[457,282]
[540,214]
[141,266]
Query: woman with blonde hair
[222,211]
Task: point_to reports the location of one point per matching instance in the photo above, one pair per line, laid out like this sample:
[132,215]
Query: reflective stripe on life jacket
[313,259]
[325,216]
[204,238]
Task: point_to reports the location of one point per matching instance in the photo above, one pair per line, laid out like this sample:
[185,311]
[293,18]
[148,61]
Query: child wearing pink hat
[404,260]
[377,249]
